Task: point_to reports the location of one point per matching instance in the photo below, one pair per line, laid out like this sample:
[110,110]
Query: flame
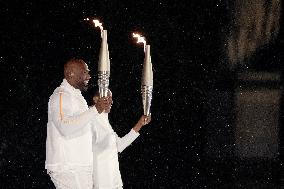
[140,39]
[98,24]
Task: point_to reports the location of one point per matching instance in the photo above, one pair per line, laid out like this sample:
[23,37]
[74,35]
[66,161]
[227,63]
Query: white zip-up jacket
[106,145]
[69,135]
[74,131]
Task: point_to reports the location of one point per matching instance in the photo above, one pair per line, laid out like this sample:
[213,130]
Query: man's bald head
[76,72]
[72,66]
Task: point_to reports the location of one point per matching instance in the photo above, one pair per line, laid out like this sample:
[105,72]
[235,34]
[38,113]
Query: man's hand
[144,120]
[101,104]
[108,104]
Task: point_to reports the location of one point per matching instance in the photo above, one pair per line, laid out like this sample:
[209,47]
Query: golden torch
[104,61]
[147,76]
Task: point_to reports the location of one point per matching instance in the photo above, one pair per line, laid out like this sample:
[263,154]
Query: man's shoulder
[61,90]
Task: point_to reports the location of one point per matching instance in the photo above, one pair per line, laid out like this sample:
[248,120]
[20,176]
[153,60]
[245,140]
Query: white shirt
[106,145]
[69,135]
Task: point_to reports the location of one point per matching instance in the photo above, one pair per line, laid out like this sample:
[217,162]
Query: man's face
[82,77]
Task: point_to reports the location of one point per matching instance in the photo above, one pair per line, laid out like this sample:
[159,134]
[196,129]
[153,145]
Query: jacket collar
[69,87]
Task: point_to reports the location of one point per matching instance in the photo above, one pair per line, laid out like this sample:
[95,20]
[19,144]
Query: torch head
[103,64]
[147,73]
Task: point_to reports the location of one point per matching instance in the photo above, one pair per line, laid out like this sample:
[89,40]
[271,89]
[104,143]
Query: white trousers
[72,179]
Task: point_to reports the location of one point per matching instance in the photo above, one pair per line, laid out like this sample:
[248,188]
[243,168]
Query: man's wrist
[137,127]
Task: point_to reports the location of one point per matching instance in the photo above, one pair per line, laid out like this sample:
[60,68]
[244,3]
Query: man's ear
[69,73]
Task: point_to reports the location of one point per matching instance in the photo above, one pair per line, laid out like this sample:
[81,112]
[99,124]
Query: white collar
[70,87]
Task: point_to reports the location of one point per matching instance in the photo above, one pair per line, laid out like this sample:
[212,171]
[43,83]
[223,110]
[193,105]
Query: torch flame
[98,24]
[140,39]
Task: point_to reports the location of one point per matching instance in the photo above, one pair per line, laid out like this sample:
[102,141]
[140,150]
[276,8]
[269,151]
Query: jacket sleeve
[60,107]
[123,142]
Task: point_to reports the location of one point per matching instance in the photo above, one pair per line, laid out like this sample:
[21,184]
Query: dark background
[187,49]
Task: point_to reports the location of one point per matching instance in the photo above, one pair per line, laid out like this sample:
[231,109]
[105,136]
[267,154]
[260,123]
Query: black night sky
[202,102]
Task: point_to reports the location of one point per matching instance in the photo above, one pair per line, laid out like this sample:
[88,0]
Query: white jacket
[69,136]
[106,145]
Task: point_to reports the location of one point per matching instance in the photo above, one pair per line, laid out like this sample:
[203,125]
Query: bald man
[69,136]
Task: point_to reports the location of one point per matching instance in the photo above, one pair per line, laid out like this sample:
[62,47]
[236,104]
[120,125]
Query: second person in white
[106,146]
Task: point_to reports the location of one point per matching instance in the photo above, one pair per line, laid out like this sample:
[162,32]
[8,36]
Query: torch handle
[103,82]
[146,91]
